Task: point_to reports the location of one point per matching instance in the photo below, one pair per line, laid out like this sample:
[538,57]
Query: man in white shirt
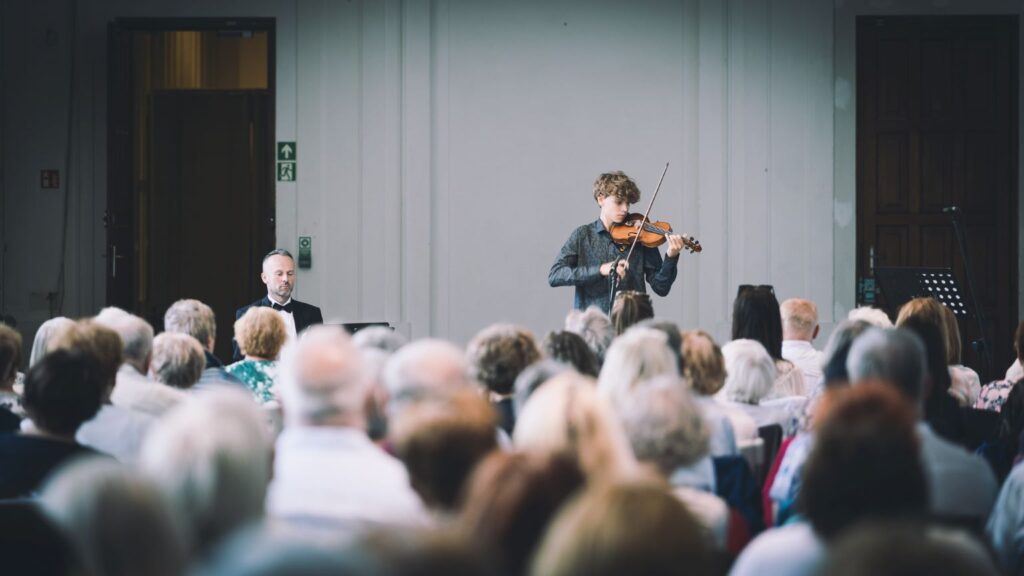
[326,468]
[962,486]
[799,329]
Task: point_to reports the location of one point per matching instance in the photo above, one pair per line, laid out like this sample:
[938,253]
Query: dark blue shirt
[588,247]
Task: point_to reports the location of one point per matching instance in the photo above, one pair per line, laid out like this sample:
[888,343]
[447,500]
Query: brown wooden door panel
[937,127]
[210,159]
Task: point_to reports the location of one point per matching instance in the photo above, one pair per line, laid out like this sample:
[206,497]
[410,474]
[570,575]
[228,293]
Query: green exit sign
[286,151]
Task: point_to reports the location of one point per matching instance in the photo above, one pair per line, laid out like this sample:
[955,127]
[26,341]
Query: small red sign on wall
[49,178]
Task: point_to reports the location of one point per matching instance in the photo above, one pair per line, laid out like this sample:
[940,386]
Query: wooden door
[209,211]
[937,127]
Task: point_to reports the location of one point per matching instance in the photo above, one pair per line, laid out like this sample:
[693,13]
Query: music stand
[901,285]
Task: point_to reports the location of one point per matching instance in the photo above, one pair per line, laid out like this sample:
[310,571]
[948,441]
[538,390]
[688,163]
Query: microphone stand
[981,344]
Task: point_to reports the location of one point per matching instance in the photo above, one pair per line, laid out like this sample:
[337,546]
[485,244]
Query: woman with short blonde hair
[260,334]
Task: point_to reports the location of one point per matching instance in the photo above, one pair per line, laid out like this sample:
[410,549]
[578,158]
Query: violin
[652,234]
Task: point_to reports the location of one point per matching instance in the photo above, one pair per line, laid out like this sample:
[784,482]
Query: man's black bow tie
[289,307]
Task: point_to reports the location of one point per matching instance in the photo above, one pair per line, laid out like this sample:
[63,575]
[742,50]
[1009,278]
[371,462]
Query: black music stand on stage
[901,285]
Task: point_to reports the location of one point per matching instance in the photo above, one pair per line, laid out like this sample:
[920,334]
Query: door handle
[114,257]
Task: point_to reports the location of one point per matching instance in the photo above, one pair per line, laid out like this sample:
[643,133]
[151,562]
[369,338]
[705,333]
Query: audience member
[1003,451]
[1006,526]
[196,319]
[533,377]
[966,384]
[260,334]
[567,415]
[873,316]
[784,488]
[941,410]
[418,553]
[422,369]
[799,329]
[756,316]
[134,390]
[639,354]
[594,326]
[993,394]
[178,361]
[864,466]
[63,389]
[572,349]
[11,411]
[440,440]
[497,354]
[510,500]
[387,339]
[636,528]
[962,486]
[46,331]
[211,457]
[751,374]
[629,308]
[119,522]
[113,430]
[907,549]
[837,349]
[325,394]
[673,337]
[705,373]
[665,428]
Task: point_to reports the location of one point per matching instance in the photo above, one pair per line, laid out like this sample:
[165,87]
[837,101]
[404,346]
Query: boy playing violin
[587,257]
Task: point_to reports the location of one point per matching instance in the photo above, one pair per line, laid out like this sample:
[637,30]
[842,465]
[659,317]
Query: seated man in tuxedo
[279,276]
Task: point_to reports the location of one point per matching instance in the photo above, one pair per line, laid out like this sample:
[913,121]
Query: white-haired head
[211,456]
[638,354]
[380,337]
[664,424]
[750,371]
[322,381]
[192,317]
[594,326]
[47,330]
[874,316]
[896,357]
[424,368]
[177,360]
[135,333]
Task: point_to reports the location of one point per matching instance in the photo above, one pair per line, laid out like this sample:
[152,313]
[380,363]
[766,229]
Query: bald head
[799,319]
[322,381]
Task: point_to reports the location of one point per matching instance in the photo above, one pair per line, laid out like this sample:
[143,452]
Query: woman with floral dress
[260,334]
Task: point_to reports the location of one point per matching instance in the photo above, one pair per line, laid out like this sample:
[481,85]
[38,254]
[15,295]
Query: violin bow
[646,214]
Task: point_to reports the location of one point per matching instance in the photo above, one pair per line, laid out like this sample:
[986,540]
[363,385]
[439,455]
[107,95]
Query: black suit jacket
[305,315]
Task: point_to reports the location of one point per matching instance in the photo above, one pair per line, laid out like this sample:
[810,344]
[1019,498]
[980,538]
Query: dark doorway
[937,127]
[190,202]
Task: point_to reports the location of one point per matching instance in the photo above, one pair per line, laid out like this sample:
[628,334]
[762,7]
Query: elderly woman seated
[666,429]
[751,373]
[178,360]
[260,334]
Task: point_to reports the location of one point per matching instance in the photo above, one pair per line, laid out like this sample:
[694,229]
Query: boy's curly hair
[616,184]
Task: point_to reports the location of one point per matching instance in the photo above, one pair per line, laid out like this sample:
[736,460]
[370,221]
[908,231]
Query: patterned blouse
[993,395]
[258,375]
